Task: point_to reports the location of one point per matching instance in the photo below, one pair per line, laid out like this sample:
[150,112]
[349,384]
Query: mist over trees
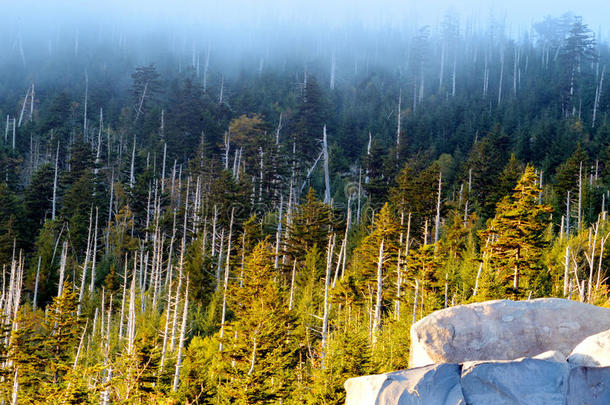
[188,216]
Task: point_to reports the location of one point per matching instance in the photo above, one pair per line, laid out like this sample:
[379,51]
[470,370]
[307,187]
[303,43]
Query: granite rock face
[504,330]
[500,352]
[436,384]
[526,382]
[589,386]
[594,351]
[521,382]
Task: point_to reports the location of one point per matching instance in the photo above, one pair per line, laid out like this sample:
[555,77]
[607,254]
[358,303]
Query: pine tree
[517,241]
[309,225]
[375,263]
[259,351]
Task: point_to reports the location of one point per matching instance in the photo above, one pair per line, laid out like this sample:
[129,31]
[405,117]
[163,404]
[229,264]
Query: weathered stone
[526,382]
[551,355]
[594,351]
[364,390]
[504,330]
[435,384]
[589,386]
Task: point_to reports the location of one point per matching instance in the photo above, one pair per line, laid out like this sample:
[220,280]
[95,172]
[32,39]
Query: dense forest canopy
[189,217]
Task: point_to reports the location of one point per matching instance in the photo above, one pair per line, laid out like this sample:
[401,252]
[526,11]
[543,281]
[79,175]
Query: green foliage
[259,347]
[515,239]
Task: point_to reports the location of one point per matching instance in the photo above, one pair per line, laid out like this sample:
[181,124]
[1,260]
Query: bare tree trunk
[15,392]
[80,345]
[166,328]
[131,319]
[291,299]
[329,259]
[182,336]
[81,292]
[132,178]
[278,234]
[468,196]
[377,318]
[14,132]
[437,222]
[476,283]
[163,167]
[326,172]
[580,196]
[92,285]
[226,282]
[566,272]
[54,202]
[368,159]
[123,296]
[25,101]
[141,102]
[568,214]
[359,195]
[590,256]
[214,221]
[177,301]
[62,268]
[399,119]
[34,300]
[415,301]
[399,267]
[219,263]
[598,94]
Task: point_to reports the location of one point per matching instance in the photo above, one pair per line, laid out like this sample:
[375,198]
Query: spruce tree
[516,239]
[259,349]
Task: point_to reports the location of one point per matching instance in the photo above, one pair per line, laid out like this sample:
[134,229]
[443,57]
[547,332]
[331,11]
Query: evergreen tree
[259,350]
[516,239]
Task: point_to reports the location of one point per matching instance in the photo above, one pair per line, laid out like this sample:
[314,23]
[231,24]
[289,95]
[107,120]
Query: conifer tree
[517,241]
[375,261]
[259,349]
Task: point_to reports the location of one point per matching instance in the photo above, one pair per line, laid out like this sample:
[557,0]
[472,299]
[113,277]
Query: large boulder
[504,330]
[589,386]
[594,351]
[435,384]
[527,382]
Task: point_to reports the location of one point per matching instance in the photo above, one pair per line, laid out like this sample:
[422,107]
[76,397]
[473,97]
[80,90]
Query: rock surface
[504,330]
[589,386]
[594,351]
[551,355]
[436,384]
[527,382]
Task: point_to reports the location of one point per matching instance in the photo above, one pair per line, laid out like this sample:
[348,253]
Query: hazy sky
[519,13]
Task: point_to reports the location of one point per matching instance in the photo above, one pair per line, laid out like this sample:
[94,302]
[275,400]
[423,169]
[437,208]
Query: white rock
[364,390]
[504,330]
[436,384]
[526,382]
[551,355]
[594,351]
[589,386]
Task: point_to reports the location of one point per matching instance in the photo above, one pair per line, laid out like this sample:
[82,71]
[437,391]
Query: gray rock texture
[436,384]
[504,330]
[594,351]
[523,382]
[589,386]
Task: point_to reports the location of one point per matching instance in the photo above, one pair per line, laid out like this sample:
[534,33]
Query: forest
[185,223]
